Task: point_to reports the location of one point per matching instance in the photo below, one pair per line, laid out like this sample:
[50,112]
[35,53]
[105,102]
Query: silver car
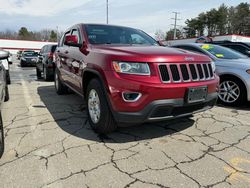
[233,69]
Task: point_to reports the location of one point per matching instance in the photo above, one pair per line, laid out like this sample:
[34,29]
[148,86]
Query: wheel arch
[90,74]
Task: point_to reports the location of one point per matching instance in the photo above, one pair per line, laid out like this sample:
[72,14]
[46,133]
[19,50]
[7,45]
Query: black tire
[1,136]
[45,74]
[106,123]
[8,78]
[59,86]
[38,73]
[7,96]
[242,93]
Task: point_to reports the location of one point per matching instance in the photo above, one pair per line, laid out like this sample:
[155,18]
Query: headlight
[23,59]
[213,66]
[248,71]
[131,68]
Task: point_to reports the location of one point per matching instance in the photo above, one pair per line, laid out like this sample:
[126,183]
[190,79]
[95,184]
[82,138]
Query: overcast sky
[148,15]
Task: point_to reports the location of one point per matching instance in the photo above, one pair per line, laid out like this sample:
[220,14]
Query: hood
[151,53]
[242,63]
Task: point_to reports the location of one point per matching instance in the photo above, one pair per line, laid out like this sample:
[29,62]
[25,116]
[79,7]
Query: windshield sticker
[219,55]
[207,46]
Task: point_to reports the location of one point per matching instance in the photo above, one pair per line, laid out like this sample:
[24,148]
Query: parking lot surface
[49,143]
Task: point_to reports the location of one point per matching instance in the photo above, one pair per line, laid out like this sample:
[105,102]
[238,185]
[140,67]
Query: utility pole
[107,4]
[57,34]
[175,23]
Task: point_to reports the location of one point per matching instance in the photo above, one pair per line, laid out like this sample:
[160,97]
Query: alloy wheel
[56,81]
[94,106]
[229,91]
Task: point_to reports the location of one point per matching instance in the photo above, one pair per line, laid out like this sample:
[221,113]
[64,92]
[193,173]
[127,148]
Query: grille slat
[164,73]
[206,71]
[175,73]
[210,70]
[200,71]
[185,72]
[193,72]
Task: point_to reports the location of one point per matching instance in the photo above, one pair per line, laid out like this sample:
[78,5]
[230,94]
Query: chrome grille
[185,72]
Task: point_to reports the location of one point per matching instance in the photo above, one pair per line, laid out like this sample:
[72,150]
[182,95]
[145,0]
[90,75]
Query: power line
[175,22]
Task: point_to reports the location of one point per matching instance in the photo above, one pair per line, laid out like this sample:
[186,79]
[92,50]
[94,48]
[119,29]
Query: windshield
[222,52]
[29,53]
[104,34]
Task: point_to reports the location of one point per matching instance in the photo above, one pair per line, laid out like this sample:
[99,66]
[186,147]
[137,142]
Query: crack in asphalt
[136,143]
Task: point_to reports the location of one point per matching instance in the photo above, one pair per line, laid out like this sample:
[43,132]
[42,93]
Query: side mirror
[161,43]
[72,40]
[4,54]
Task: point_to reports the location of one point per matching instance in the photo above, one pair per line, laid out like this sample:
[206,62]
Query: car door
[76,58]
[63,63]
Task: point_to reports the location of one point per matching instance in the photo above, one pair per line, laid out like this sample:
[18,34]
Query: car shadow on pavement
[245,106]
[69,112]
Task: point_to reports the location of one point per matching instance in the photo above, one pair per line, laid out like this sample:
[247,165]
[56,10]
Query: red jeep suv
[126,77]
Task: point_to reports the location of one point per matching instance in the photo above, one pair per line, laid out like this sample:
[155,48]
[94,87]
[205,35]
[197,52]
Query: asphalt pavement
[49,143]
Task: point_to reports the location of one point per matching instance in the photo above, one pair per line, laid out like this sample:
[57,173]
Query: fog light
[131,96]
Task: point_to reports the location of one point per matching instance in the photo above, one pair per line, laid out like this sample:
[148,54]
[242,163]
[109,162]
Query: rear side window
[238,48]
[53,48]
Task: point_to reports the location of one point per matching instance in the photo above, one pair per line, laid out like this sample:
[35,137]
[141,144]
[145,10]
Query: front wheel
[8,77]
[1,136]
[231,91]
[100,116]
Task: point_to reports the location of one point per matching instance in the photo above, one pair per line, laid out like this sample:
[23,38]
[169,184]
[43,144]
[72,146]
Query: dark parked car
[241,47]
[45,63]
[127,78]
[28,58]
[3,94]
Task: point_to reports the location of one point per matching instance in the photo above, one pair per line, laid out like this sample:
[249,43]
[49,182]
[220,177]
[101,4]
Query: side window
[76,32]
[238,48]
[137,39]
[41,51]
[45,50]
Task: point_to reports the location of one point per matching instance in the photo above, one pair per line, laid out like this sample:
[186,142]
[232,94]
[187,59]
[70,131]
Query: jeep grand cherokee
[126,77]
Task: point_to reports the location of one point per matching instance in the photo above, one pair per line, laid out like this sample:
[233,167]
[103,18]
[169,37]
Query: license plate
[197,94]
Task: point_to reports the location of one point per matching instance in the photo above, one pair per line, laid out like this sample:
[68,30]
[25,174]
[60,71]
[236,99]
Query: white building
[15,45]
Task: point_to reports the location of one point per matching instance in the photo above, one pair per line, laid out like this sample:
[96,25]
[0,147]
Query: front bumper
[28,63]
[161,110]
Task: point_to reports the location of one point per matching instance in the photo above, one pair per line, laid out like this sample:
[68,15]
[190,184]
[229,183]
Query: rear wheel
[1,136]
[8,77]
[59,86]
[7,96]
[45,74]
[231,91]
[38,73]
[100,116]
